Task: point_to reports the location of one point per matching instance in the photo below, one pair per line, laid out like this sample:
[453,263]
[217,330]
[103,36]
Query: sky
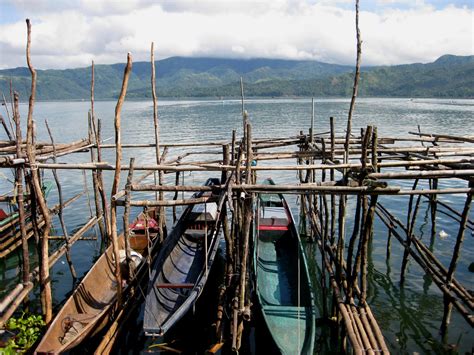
[72,33]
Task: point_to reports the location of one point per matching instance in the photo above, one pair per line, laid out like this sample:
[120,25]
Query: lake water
[409,316]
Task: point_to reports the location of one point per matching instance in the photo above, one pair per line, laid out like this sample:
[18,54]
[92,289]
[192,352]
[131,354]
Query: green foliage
[27,328]
[448,76]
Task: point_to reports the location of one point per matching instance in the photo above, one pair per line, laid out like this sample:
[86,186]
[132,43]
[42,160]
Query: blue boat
[283,284]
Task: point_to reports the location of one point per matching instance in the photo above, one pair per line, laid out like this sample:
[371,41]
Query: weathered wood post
[20,199]
[116,181]
[433,207]
[126,219]
[100,180]
[95,173]
[331,177]
[454,260]
[410,222]
[46,294]
[156,125]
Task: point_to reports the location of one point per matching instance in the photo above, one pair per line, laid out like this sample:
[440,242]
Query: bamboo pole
[423,174]
[46,295]
[116,181]
[218,167]
[248,177]
[16,303]
[433,207]
[452,266]
[243,106]
[7,131]
[469,139]
[175,197]
[410,223]
[9,298]
[155,203]
[311,132]
[438,281]
[368,228]
[452,210]
[375,161]
[332,178]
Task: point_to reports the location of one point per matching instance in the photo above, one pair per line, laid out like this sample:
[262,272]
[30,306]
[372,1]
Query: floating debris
[443,234]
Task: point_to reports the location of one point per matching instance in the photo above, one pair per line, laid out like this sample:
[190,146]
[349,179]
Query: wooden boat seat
[176,285]
[197,231]
[204,212]
[274,218]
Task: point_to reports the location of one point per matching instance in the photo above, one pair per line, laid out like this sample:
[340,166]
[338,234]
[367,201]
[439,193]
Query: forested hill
[448,76]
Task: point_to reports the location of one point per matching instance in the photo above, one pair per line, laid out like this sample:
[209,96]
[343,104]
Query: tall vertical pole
[118,160]
[46,294]
[20,198]
[161,220]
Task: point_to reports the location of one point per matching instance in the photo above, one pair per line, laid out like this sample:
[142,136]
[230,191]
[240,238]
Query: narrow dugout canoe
[283,285]
[181,269]
[92,303]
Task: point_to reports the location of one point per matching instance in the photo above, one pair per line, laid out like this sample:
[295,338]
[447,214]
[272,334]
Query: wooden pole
[156,125]
[356,83]
[368,227]
[46,294]
[100,180]
[409,236]
[375,167]
[232,149]
[116,181]
[175,197]
[95,173]
[242,100]
[332,177]
[311,134]
[248,176]
[20,199]
[452,266]
[126,220]
[7,131]
[60,212]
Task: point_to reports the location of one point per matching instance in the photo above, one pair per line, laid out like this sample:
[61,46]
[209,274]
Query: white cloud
[76,32]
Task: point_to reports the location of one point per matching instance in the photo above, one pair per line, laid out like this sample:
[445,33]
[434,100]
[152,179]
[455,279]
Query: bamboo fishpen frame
[330,165]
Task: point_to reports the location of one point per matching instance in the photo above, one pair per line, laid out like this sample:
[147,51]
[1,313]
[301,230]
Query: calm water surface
[409,316]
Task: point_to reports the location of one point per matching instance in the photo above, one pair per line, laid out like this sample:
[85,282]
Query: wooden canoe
[283,284]
[181,268]
[88,309]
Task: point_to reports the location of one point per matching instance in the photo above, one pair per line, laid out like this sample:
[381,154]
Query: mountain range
[449,77]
